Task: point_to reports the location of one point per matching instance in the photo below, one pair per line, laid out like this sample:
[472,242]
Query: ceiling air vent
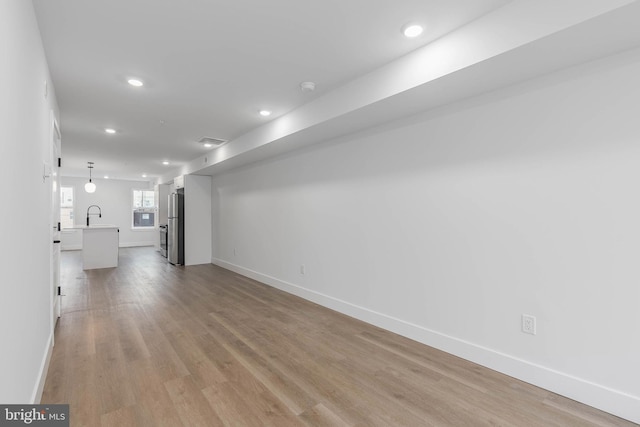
[209,142]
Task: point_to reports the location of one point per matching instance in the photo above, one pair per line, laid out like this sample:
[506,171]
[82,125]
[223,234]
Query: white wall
[446,227]
[197,219]
[25,126]
[115,200]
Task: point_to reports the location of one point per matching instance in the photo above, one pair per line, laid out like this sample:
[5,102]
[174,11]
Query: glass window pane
[148,197]
[137,198]
[66,197]
[66,207]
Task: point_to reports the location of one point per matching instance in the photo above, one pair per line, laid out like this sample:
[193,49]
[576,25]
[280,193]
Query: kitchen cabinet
[161,193]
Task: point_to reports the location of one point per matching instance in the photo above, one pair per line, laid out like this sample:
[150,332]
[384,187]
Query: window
[66,207]
[144,208]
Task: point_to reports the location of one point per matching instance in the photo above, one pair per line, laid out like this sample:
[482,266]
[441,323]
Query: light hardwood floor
[150,344]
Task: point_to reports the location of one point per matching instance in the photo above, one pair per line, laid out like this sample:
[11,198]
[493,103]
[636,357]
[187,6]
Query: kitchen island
[99,245]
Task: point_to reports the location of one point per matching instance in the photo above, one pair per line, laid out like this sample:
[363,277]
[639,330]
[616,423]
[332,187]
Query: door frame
[55,233]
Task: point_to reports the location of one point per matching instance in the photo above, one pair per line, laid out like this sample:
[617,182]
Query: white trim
[44,369]
[150,228]
[604,398]
[72,247]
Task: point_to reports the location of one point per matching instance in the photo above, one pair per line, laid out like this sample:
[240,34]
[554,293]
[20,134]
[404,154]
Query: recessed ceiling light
[265,113]
[165,162]
[109,130]
[135,82]
[106,177]
[144,175]
[208,145]
[412,30]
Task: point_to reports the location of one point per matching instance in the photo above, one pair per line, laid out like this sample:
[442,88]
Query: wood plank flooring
[150,344]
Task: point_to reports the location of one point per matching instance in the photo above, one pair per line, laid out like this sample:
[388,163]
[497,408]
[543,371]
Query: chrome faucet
[99,213]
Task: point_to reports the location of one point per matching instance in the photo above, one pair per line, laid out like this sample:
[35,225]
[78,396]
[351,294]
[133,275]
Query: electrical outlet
[528,324]
[303,269]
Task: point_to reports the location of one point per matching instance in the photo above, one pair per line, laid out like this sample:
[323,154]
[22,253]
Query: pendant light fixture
[90,187]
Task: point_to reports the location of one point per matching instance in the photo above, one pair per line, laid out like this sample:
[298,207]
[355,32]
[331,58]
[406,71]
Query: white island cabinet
[99,245]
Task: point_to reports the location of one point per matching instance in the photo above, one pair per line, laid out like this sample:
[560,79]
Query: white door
[55,221]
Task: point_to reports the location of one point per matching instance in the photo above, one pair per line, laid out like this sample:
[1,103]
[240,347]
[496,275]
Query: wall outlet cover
[528,324]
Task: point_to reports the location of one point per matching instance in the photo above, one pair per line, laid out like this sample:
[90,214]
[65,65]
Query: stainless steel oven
[163,240]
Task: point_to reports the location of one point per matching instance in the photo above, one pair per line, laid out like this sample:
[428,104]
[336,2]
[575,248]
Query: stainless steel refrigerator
[175,228]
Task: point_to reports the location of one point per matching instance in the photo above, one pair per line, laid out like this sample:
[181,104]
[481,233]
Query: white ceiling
[209,66]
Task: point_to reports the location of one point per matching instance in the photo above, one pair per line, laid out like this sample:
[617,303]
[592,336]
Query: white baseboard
[604,398]
[121,245]
[134,244]
[36,397]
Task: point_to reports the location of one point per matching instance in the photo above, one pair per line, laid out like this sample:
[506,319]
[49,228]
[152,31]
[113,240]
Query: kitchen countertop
[93,226]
